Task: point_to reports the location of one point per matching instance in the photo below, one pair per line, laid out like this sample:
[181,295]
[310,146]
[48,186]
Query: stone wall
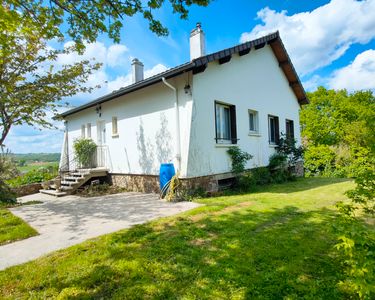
[299,169]
[27,189]
[136,183]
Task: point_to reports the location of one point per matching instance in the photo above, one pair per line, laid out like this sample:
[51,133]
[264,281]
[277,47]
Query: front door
[101,140]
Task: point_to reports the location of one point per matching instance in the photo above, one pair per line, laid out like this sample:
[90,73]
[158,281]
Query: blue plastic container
[167,171]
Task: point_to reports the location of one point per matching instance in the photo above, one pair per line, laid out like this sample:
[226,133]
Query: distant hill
[37,157]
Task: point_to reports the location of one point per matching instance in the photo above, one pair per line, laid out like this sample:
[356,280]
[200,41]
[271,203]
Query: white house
[191,114]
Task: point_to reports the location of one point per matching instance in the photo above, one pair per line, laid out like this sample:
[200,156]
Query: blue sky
[331,43]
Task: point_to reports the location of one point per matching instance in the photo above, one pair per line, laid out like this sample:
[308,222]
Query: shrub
[277,161]
[249,180]
[8,170]
[84,150]
[356,243]
[33,176]
[319,160]
[287,147]
[239,159]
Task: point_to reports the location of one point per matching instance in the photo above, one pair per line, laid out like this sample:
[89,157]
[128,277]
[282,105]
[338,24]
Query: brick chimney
[137,70]
[197,42]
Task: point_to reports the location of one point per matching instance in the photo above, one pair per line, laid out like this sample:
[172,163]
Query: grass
[35,166]
[13,228]
[273,244]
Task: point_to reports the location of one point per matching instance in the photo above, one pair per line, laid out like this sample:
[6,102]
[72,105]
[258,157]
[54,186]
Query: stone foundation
[299,170]
[136,183]
[150,183]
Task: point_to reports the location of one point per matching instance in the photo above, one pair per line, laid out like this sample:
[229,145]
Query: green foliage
[319,160]
[277,161]
[239,159]
[84,150]
[341,126]
[31,85]
[8,170]
[287,147]
[357,241]
[86,20]
[34,176]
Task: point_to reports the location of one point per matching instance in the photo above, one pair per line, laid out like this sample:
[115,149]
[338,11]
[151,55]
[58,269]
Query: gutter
[178,138]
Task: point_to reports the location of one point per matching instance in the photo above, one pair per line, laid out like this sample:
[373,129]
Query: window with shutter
[273,129]
[225,123]
[289,128]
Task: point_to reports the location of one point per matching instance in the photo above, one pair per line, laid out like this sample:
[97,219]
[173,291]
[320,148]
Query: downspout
[178,139]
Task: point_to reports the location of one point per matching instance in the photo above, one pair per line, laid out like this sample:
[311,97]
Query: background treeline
[338,132]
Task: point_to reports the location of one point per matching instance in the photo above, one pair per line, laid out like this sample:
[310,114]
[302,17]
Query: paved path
[62,222]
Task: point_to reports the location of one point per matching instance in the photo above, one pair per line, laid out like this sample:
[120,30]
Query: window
[225,123]
[253,121]
[114,126]
[273,129]
[83,129]
[289,128]
[88,130]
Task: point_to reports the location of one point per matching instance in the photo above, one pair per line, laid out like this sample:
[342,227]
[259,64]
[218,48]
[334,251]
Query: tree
[86,20]
[30,84]
[341,123]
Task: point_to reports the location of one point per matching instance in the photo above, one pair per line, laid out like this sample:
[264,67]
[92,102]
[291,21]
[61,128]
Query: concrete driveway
[62,222]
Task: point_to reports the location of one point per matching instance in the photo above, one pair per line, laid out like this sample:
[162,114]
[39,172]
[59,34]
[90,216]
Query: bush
[249,180]
[239,159]
[84,150]
[8,170]
[319,160]
[33,176]
[356,243]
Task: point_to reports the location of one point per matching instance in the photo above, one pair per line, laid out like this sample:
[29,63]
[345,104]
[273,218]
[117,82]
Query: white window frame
[219,117]
[115,127]
[255,121]
[83,131]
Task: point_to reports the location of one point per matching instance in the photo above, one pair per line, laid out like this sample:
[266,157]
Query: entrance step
[53,193]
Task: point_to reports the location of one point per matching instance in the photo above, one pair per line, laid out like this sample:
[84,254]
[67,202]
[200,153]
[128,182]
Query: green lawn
[13,228]
[273,244]
[35,166]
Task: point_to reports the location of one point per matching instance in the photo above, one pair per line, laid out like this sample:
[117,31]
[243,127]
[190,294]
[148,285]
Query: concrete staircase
[72,180]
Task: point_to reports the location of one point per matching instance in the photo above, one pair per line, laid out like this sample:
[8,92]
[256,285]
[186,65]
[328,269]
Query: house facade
[190,115]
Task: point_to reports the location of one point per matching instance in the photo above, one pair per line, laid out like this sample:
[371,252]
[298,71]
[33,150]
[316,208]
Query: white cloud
[112,56]
[317,38]
[359,75]
[312,83]
[115,55]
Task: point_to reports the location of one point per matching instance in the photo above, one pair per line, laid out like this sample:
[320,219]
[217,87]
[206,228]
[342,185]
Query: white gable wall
[253,81]
[146,128]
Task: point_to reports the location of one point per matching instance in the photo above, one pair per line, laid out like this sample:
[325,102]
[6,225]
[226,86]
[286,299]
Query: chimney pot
[137,70]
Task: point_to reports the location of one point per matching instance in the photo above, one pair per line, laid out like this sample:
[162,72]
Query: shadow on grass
[280,253]
[298,185]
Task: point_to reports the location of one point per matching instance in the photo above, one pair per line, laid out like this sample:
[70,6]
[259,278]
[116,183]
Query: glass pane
[218,122]
[226,123]
[272,130]
[251,122]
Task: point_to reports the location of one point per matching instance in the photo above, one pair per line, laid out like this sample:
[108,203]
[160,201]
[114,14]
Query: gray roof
[199,64]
